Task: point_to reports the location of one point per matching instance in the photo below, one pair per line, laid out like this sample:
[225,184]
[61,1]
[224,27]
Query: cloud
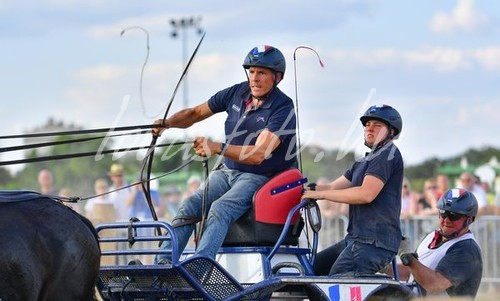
[101,73]
[464,17]
[440,59]
[488,57]
[151,23]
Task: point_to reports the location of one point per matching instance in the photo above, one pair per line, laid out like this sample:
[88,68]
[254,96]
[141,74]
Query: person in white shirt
[119,197]
[468,182]
[448,261]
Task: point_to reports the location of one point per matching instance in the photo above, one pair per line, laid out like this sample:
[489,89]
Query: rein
[77,132]
[54,143]
[87,154]
[75,199]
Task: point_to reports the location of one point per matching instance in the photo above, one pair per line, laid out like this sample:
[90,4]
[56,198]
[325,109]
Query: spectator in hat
[118,195]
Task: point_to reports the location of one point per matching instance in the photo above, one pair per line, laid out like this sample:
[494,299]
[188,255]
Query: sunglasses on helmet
[452,216]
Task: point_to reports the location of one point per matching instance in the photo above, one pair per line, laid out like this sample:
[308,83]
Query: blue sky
[435,61]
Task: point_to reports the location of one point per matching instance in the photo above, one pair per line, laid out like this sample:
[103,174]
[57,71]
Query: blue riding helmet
[385,114]
[458,200]
[267,57]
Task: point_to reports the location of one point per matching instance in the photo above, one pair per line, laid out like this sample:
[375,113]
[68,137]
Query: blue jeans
[230,194]
[352,258]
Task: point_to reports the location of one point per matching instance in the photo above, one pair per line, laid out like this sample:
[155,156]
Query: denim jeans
[230,194]
[352,258]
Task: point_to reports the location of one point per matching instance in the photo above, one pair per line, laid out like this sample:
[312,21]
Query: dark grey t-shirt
[463,266]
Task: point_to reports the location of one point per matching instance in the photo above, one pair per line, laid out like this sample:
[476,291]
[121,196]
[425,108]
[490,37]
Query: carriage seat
[263,223]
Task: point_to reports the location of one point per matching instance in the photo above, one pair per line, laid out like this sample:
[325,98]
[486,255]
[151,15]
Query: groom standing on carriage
[260,133]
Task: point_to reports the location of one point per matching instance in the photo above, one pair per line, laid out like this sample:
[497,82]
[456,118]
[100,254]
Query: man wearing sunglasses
[448,261]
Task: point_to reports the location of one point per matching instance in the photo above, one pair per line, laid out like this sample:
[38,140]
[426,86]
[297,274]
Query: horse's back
[49,252]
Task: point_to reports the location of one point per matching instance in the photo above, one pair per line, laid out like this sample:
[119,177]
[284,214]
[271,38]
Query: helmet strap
[246,74]
[455,234]
[276,82]
[387,138]
[391,130]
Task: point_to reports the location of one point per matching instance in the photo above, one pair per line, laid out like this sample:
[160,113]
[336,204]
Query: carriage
[259,260]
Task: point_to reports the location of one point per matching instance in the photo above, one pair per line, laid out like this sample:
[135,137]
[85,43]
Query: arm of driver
[184,118]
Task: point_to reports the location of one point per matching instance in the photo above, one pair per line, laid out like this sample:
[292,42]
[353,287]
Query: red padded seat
[263,223]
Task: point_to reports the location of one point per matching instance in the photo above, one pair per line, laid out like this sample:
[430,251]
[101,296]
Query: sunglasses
[452,216]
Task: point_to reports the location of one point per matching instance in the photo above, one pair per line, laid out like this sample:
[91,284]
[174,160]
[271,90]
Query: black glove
[312,186]
[406,254]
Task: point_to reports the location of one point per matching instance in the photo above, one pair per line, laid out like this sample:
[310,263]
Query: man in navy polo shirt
[372,188]
[260,142]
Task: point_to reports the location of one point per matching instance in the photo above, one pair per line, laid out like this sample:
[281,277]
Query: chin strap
[455,234]
[388,138]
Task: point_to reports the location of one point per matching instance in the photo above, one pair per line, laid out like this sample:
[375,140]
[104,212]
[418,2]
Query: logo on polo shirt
[236,108]
[260,118]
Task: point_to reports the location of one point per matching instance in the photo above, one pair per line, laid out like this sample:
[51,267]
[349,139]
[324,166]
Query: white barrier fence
[486,230]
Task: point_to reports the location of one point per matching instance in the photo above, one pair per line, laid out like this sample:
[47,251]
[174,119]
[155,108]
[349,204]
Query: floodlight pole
[180,26]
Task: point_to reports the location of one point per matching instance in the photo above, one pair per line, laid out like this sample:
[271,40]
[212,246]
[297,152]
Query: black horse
[48,251]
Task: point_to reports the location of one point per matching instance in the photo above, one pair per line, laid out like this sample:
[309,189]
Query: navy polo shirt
[463,266]
[276,114]
[378,222]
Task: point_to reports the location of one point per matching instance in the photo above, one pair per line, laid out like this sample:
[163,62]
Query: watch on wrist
[222,148]
[407,258]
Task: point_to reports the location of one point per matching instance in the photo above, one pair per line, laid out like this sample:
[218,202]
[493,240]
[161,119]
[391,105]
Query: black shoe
[135,262]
